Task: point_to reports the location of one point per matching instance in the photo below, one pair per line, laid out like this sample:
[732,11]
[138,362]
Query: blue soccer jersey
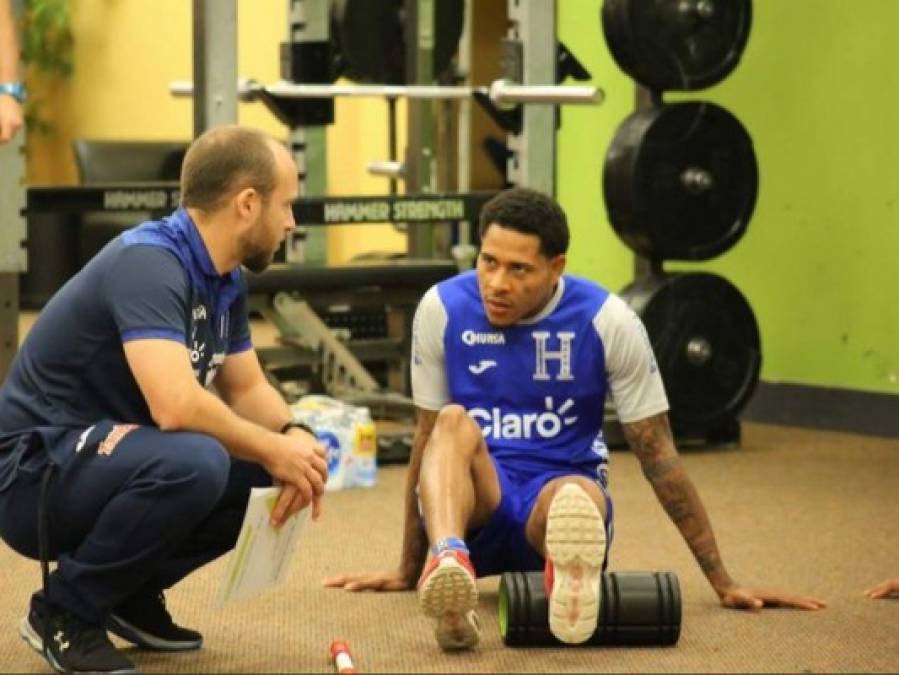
[538,388]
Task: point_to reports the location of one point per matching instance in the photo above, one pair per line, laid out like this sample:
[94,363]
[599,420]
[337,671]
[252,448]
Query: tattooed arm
[652,442]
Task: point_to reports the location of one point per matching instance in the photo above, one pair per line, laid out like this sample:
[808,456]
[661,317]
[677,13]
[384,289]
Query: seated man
[108,430]
[511,366]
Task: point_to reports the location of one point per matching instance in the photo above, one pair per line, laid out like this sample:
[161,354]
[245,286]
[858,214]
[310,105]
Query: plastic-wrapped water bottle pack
[348,432]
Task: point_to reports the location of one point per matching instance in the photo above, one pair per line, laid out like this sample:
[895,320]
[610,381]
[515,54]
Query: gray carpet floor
[811,512]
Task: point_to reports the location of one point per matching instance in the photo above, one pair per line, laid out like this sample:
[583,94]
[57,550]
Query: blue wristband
[14,89]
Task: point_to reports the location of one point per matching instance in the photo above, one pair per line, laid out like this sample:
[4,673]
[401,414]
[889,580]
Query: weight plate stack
[706,342]
[680,181]
[677,45]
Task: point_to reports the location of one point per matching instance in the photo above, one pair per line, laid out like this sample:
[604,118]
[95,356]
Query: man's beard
[258,256]
[258,260]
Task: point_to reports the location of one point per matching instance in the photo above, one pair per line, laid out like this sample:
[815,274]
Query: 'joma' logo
[481,367]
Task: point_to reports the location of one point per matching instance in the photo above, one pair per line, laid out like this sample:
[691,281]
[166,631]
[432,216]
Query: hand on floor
[744,598]
[378,581]
[885,589]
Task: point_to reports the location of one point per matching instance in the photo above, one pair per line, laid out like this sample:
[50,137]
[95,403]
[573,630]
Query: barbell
[500,92]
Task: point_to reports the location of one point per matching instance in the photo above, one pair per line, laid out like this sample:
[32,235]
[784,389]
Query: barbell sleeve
[181,88]
[387,168]
[505,92]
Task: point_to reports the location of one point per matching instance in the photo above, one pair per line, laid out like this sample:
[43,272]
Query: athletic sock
[449,544]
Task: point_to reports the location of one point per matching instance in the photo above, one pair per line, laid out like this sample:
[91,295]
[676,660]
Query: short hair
[529,212]
[223,161]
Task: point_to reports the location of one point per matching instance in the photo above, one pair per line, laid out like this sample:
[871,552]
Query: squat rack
[531,66]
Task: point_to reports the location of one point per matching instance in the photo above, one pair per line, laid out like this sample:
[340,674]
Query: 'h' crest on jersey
[544,355]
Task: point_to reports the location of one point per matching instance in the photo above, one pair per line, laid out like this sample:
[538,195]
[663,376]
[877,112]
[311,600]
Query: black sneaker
[144,621]
[74,646]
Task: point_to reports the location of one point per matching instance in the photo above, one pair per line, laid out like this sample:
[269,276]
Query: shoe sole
[575,543]
[458,631]
[133,634]
[450,595]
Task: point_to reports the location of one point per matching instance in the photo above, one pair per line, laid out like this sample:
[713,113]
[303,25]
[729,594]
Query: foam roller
[637,609]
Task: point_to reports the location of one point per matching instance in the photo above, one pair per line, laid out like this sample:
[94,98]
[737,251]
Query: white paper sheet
[262,554]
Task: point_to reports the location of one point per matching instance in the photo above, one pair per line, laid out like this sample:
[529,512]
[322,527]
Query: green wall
[817,89]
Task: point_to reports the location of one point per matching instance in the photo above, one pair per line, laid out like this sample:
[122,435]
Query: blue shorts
[501,545]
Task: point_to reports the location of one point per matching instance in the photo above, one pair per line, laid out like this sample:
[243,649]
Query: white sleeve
[429,384]
[635,383]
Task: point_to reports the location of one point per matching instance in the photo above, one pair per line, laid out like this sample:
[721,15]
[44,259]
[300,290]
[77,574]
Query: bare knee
[590,487]
[535,528]
[453,416]
[454,427]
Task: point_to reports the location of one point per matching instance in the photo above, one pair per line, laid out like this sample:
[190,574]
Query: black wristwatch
[296,425]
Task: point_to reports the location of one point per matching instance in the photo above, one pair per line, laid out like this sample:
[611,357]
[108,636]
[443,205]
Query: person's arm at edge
[885,589]
[9,44]
[10,110]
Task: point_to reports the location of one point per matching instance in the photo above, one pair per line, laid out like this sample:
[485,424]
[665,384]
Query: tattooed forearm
[676,499]
[649,437]
[709,560]
[681,501]
[659,469]
[652,442]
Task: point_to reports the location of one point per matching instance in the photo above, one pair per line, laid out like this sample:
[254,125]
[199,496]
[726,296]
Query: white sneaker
[575,548]
[448,592]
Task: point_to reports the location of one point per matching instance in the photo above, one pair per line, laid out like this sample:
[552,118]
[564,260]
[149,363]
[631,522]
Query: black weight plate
[371,39]
[677,44]
[706,342]
[614,26]
[652,203]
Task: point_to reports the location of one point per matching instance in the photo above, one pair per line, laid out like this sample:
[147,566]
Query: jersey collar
[548,307]
[198,249]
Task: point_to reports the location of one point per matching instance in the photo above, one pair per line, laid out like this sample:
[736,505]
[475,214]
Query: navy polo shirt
[153,281]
